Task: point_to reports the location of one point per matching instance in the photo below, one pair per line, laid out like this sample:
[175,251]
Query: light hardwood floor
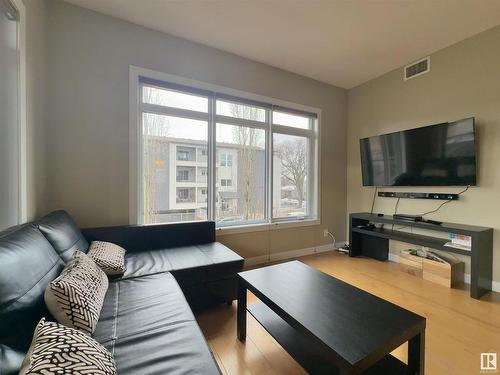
[459,328]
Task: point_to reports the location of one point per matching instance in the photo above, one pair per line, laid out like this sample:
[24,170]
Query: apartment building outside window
[183,174]
[185,195]
[226,182]
[182,155]
[225,158]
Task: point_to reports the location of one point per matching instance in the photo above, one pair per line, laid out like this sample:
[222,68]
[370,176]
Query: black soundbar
[438,196]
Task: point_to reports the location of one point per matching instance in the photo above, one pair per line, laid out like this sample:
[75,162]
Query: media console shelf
[374,243]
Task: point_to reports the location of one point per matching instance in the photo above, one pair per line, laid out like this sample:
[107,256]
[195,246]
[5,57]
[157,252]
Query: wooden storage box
[443,274]
[410,260]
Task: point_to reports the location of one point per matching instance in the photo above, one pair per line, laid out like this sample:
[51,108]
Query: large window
[238,161]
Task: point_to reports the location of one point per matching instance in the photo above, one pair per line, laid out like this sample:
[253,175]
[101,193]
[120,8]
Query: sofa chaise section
[205,269]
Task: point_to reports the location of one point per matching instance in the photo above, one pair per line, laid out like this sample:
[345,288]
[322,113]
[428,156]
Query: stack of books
[459,241]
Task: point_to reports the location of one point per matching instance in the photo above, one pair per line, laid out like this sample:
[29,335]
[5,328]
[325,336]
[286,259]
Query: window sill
[236,229]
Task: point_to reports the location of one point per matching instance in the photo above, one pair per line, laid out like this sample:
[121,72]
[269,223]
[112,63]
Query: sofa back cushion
[62,232]
[28,263]
[137,238]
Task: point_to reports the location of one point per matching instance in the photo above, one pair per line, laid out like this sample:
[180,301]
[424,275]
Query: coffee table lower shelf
[313,359]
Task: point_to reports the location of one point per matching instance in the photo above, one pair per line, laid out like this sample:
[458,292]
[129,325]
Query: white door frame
[21,118]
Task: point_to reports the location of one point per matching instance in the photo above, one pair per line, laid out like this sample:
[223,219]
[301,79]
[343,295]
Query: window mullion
[211,156]
[174,112]
[269,168]
[283,129]
[240,122]
[311,176]
[140,167]
[315,166]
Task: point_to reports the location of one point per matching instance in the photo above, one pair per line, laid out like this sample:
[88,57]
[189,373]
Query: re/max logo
[488,361]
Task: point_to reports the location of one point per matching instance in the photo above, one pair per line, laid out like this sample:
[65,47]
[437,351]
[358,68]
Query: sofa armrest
[136,238]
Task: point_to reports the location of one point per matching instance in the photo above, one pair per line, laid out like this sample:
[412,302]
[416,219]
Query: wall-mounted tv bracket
[435,196]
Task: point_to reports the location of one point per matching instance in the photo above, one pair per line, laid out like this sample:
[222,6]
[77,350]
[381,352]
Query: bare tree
[293,156]
[247,138]
[154,128]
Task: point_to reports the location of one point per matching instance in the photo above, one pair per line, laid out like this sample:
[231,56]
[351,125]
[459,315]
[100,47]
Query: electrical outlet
[325,232]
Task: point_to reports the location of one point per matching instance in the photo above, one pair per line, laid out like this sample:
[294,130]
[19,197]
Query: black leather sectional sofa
[147,321]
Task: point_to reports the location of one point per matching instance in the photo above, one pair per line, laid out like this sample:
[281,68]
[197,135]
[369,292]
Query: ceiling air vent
[417,68]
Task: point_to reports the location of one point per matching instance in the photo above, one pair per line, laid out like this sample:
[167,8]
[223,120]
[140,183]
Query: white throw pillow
[56,349]
[75,298]
[108,256]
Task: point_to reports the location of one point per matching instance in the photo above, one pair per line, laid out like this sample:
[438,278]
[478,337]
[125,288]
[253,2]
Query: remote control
[435,222]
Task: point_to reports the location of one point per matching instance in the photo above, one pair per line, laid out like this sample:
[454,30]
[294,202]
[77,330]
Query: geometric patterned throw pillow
[75,298]
[108,256]
[57,349]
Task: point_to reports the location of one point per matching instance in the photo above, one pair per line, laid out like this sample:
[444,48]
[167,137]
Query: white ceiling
[342,42]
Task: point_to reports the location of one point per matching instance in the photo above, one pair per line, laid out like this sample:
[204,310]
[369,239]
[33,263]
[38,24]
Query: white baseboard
[495,285]
[290,254]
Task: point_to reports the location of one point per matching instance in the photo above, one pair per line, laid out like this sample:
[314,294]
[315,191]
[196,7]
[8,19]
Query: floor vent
[417,68]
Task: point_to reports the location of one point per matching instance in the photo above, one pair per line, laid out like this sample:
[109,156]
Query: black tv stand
[374,243]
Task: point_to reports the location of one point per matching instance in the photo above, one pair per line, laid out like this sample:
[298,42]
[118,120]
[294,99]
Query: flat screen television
[435,155]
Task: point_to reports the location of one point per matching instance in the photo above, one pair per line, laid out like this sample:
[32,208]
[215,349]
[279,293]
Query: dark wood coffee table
[329,326]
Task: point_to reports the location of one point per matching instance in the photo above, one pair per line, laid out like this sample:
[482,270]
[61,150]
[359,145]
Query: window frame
[187,189]
[228,182]
[226,160]
[140,76]
[183,172]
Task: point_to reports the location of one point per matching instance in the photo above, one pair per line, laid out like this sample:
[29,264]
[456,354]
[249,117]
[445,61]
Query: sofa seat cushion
[174,350]
[141,304]
[190,264]
[148,326]
[146,263]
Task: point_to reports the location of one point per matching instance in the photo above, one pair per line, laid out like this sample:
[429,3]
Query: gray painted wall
[463,82]
[36,108]
[78,118]
[87,143]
